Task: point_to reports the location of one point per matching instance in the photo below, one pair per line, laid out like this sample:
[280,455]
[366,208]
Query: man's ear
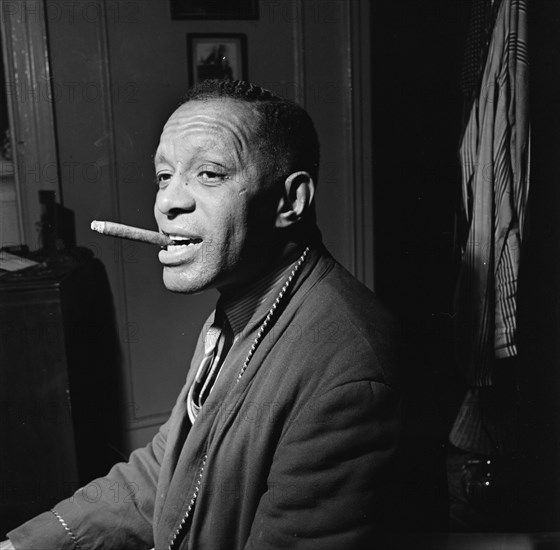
[296,199]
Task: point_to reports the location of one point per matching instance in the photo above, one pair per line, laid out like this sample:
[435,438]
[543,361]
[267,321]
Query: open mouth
[180,241]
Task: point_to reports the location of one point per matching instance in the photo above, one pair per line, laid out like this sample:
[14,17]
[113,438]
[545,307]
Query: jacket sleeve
[332,480]
[113,512]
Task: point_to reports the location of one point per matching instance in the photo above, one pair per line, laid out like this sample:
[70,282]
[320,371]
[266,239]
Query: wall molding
[334,54]
[30,103]
[360,116]
[299,58]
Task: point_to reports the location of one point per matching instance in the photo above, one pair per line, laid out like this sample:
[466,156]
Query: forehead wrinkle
[235,129]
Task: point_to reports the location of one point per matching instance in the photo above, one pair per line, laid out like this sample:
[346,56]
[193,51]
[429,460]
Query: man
[284,435]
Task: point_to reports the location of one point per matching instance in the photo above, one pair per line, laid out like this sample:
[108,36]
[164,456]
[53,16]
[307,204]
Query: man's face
[213,196]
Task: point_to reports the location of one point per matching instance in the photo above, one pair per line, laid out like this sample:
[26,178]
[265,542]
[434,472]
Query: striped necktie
[209,367]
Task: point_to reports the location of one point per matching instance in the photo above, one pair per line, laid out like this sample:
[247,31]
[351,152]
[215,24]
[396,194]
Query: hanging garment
[481,22]
[494,158]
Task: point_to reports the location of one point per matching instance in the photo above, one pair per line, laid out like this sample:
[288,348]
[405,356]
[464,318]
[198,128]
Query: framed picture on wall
[214,9]
[222,56]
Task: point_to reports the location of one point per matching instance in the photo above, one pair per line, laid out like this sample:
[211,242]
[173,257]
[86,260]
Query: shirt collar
[240,307]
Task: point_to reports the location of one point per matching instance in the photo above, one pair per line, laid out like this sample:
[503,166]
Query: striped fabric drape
[495,183]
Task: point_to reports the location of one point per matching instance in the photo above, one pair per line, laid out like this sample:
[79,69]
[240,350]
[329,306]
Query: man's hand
[6,545]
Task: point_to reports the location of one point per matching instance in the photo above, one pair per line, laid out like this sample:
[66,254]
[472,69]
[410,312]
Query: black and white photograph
[216,56]
[279,275]
[214,9]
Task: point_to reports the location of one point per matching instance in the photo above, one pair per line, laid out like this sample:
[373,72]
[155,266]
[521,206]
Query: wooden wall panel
[126,62]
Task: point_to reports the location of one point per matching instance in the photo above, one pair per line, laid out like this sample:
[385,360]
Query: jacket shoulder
[350,314]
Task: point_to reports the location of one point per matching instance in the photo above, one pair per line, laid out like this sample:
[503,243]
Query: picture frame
[214,9]
[216,55]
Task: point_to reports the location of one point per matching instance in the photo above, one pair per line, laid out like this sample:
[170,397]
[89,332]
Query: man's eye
[162,178]
[209,176]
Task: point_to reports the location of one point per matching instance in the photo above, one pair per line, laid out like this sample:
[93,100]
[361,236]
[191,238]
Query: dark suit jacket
[299,453]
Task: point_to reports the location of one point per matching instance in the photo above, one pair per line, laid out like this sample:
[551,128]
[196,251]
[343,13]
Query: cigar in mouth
[129,232]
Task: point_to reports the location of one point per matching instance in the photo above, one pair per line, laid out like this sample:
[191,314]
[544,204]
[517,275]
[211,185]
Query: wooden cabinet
[55,413]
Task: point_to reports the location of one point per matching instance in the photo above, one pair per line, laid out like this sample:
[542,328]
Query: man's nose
[175,198]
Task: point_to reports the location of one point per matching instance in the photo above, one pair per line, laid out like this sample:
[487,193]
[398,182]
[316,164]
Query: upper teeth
[182,241]
[179,238]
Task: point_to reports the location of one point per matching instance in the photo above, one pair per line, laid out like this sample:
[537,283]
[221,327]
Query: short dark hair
[287,134]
